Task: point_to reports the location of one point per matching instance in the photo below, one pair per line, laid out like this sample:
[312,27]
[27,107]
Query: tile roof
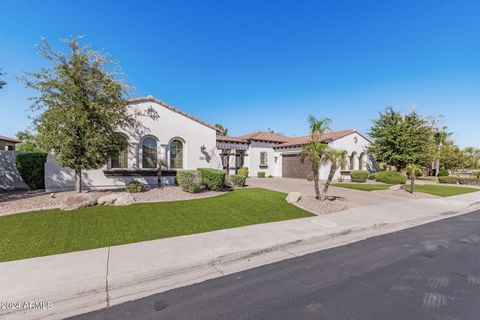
[265,136]
[10,139]
[170,107]
[231,139]
[303,140]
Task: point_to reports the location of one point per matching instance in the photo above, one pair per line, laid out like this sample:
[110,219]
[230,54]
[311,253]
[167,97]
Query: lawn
[437,190]
[34,234]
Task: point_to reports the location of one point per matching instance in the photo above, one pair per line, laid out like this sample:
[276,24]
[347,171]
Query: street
[427,272]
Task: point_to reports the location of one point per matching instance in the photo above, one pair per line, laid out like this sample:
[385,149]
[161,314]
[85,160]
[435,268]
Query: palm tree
[413,170]
[336,159]
[315,149]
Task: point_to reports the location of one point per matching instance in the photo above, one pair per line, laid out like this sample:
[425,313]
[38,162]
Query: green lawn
[49,232]
[437,190]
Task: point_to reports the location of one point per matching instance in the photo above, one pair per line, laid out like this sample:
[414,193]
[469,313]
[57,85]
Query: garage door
[293,167]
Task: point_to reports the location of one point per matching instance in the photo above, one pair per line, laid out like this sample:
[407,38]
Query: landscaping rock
[124,199]
[78,201]
[108,199]
[397,187]
[293,197]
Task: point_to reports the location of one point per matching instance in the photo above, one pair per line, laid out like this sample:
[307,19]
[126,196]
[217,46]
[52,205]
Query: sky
[254,65]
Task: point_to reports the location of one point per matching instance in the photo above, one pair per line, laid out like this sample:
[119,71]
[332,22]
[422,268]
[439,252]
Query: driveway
[353,198]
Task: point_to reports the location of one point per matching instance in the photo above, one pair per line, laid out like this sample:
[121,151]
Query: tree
[472,156]
[336,159]
[413,170]
[223,130]
[402,139]
[2,83]
[29,141]
[315,149]
[451,157]
[83,106]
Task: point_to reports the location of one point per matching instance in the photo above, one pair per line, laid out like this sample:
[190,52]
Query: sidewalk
[88,280]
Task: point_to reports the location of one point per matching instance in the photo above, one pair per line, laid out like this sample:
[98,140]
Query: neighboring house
[184,142]
[7,143]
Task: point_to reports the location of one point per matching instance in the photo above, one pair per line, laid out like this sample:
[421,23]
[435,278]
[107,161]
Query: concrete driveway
[353,198]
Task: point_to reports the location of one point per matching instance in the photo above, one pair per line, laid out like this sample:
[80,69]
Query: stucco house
[184,142]
[7,143]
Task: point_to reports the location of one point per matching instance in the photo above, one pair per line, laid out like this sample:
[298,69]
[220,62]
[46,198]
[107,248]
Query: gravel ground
[22,201]
[406,194]
[317,207]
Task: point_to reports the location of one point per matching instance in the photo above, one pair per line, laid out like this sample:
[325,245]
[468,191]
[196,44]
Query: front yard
[34,234]
[436,190]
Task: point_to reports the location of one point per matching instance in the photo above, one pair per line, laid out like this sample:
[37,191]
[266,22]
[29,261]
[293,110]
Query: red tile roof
[303,140]
[265,136]
[230,139]
[170,107]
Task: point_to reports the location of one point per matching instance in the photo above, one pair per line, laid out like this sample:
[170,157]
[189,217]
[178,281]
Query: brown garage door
[293,167]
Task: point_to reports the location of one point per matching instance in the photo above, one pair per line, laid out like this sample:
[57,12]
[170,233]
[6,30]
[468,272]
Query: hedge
[134,186]
[31,167]
[390,177]
[243,172]
[359,175]
[372,176]
[470,181]
[236,180]
[213,179]
[443,173]
[190,180]
[447,179]
[260,174]
[476,174]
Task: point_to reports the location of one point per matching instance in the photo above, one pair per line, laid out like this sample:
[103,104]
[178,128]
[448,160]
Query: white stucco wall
[254,158]
[164,126]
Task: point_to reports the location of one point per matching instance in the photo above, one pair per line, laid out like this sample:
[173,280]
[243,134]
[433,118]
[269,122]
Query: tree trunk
[412,182]
[333,169]
[316,181]
[78,180]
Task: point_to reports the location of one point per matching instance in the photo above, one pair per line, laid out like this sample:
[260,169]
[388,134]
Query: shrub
[213,179]
[236,180]
[470,181]
[476,174]
[134,186]
[260,174]
[31,167]
[372,176]
[243,172]
[359,175]
[390,177]
[451,180]
[270,176]
[310,177]
[443,173]
[340,179]
[190,180]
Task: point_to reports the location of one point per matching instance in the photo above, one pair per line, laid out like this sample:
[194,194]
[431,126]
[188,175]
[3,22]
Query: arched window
[149,153]
[176,154]
[119,159]
[353,160]
[361,161]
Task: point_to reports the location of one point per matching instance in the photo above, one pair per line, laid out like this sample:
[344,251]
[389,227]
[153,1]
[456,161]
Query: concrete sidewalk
[84,281]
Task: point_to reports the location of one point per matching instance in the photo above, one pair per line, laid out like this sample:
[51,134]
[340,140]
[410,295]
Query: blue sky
[254,65]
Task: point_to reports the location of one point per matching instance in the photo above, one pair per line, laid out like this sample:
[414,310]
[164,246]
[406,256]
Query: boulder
[77,201]
[293,197]
[124,199]
[108,199]
[396,187]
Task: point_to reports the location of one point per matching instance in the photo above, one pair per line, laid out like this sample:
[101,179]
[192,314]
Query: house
[7,143]
[183,142]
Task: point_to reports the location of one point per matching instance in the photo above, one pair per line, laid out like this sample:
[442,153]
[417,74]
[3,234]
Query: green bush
[243,172]
[134,186]
[236,180]
[470,181]
[476,174]
[260,174]
[310,177]
[443,173]
[190,180]
[451,180]
[213,179]
[31,167]
[359,175]
[372,176]
[390,177]
[270,176]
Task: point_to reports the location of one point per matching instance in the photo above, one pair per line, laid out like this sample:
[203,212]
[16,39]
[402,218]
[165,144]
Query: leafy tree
[336,159]
[472,156]
[223,130]
[29,142]
[315,149]
[402,139]
[413,170]
[451,157]
[2,83]
[83,106]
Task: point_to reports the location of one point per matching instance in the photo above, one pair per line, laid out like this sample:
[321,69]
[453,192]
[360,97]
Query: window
[149,153]
[361,161]
[176,154]
[120,159]
[263,159]
[352,160]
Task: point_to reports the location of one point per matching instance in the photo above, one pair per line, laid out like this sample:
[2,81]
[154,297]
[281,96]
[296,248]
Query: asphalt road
[427,272]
